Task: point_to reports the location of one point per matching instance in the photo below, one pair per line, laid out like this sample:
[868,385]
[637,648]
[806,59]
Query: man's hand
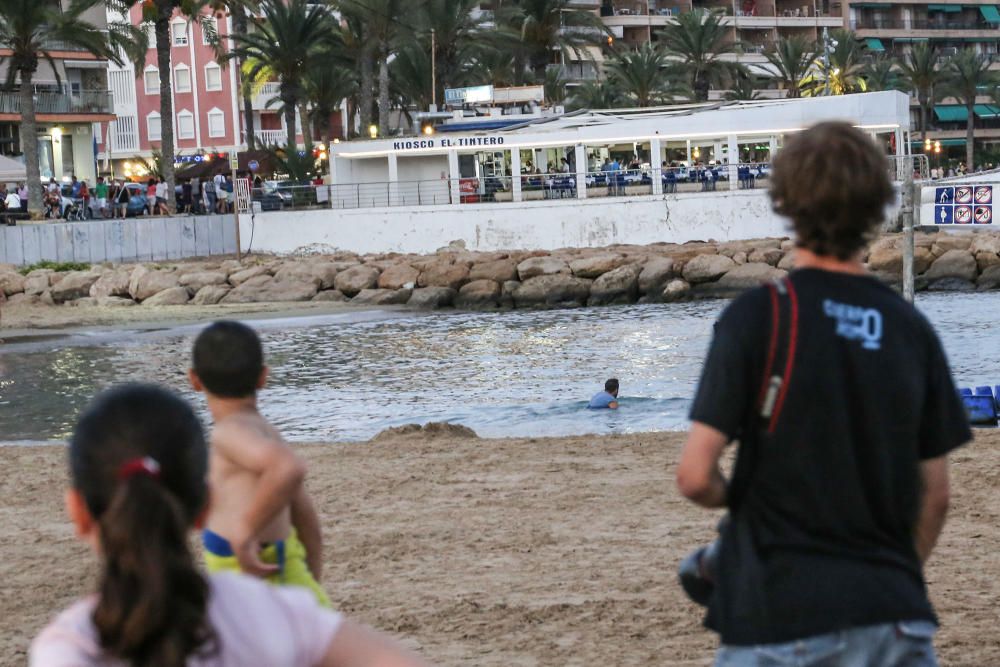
[698,476]
[247,552]
[933,505]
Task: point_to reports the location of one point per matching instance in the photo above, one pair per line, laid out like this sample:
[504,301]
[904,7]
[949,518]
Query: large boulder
[209,295]
[295,272]
[749,275]
[74,285]
[507,290]
[675,290]
[326,272]
[765,256]
[787,262]
[172,296]
[381,297]
[199,279]
[151,283]
[552,291]
[886,255]
[990,278]
[945,243]
[12,282]
[541,266]
[705,268]
[36,284]
[951,285]
[953,264]
[500,270]
[239,277]
[114,302]
[444,273]
[353,280]
[478,294]
[398,276]
[330,296]
[262,289]
[595,265]
[655,274]
[431,297]
[619,285]
[112,283]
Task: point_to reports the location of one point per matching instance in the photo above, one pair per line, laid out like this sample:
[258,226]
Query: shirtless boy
[261,521]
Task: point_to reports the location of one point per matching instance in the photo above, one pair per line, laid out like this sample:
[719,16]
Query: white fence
[132,240]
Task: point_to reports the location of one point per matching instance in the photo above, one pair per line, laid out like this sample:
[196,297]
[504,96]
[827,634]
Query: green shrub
[55,266]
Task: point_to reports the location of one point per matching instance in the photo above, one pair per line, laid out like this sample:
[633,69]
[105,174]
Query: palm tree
[968,73]
[881,73]
[840,71]
[459,36]
[543,27]
[919,73]
[596,95]
[555,86]
[745,88]
[496,66]
[31,29]
[410,74]
[644,75]
[792,57]
[325,88]
[701,42]
[241,23]
[290,41]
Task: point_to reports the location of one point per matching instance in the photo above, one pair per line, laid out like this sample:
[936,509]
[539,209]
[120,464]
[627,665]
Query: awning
[907,40]
[986,111]
[11,170]
[951,113]
[950,9]
[872,5]
[990,13]
[874,44]
[944,142]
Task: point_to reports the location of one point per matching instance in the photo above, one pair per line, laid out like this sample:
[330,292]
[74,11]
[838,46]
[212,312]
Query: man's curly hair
[832,182]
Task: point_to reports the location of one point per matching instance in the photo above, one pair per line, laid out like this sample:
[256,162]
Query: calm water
[510,374]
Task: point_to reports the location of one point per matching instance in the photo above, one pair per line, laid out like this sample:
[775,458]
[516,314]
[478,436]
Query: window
[151,80]
[185,125]
[150,31]
[216,123]
[179,33]
[182,79]
[153,126]
[213,77]
[208,26]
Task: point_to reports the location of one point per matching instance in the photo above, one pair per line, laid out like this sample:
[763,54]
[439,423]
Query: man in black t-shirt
[840,486]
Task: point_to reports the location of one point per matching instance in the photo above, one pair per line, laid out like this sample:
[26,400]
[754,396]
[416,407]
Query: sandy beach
[508,552]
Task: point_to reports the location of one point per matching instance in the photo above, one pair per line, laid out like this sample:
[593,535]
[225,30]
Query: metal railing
[271,137]
[920,24]
[87,101]
[917,164]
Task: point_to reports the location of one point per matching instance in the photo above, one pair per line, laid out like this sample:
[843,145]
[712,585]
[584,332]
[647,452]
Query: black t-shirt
[824,509]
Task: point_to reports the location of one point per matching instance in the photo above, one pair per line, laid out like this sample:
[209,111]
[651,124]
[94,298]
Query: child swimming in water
[139,463]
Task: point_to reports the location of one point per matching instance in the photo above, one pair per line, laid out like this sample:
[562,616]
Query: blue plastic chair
[964,391]
[985,390]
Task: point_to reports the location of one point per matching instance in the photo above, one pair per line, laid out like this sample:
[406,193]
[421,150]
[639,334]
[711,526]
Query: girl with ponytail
[139,465]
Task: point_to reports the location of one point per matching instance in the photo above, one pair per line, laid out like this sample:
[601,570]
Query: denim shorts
[901,644]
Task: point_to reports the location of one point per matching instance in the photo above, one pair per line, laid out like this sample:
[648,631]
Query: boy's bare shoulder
[240,427]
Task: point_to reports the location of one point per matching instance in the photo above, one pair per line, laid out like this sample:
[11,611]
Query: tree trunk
[290,105]
[383,94]
[307,138]
[29,143]
[367,89]
[240,28]
[922,102]
[163,44]
[969,137]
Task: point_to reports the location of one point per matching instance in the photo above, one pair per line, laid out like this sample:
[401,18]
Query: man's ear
[262,380]
[195,381]
[76,507]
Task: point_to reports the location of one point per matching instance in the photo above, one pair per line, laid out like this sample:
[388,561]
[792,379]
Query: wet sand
[508,552]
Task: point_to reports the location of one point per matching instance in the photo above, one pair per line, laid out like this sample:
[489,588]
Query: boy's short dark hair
[228,359]
[611,385]
[832,181]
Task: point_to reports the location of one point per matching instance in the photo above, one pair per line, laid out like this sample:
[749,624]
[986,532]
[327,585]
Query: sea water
[520,373]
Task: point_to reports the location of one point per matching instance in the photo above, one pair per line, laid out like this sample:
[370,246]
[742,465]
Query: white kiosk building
[665,174]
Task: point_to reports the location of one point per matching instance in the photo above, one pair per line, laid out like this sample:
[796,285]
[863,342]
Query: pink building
[208,109]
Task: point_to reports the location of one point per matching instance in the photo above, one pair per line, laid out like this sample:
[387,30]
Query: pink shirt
[257,625]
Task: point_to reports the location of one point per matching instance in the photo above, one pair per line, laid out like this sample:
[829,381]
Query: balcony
[269,137]
[579,71]
[83,102]
[265,94]
[919,24]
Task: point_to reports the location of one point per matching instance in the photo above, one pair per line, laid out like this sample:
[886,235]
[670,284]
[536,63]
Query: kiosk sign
[963,205]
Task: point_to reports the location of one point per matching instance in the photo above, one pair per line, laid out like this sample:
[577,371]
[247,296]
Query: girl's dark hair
[151,610]
[832,181]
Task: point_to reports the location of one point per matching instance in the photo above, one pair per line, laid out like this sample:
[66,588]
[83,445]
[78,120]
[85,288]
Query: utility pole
[433,70]
[907,214]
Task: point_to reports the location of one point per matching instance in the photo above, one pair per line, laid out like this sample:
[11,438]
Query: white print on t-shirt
[856,323]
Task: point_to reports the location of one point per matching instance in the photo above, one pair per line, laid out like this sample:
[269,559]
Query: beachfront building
[71,100]
[208,106]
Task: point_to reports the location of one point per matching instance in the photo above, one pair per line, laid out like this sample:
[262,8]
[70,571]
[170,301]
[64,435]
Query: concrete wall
[545,225]
[131,240]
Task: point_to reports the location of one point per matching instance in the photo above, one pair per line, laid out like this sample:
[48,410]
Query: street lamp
[373,131]
[937,148]
[927,145]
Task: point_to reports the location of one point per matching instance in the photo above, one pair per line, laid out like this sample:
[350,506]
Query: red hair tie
[146,465]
